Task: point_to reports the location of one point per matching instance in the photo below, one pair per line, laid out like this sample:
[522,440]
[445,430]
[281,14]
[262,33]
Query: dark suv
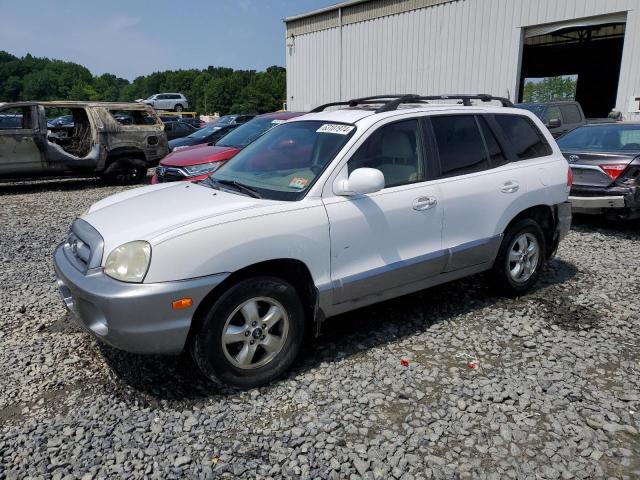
[558,117]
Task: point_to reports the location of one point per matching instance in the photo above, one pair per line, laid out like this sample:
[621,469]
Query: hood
[197,154]
[147,212]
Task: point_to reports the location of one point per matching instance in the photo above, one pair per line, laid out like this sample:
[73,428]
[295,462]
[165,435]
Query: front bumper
[135,317]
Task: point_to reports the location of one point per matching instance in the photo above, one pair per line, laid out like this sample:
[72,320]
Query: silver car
[167,101]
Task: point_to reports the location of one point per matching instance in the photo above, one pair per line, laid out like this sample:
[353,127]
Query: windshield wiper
[240,186]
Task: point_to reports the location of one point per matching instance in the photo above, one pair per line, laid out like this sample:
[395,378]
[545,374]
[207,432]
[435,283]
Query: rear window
[133,117]
[527,141]
[602,138]
[459,144]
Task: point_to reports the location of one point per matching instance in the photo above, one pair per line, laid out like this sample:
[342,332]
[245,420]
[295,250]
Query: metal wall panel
[464,46]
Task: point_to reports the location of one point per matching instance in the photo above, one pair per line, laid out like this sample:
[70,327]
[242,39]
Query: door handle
[424,203]
[510,187]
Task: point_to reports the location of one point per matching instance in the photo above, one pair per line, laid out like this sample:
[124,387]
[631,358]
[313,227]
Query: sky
[136,37]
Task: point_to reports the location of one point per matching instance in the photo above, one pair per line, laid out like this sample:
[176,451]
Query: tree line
[214,89]
[550,89]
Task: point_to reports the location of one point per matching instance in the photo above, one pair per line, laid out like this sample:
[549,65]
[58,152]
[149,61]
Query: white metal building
[369,47]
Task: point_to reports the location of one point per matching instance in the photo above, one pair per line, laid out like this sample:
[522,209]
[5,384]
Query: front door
[19,152]
[390,238]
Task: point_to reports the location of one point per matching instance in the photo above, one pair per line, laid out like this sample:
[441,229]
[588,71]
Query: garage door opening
[575,60]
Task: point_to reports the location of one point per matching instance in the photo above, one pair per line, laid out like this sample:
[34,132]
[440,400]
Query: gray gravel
[555,392]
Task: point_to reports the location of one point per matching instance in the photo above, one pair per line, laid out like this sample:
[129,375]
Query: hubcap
[255,333]
[523,257]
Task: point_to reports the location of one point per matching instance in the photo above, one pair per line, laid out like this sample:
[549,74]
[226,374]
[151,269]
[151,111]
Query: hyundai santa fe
[323,214]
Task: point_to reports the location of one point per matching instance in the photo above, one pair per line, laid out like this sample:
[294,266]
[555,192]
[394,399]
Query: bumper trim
[595,203]
[135,317]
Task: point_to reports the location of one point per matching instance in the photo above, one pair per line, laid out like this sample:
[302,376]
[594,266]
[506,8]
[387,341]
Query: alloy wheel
[524,254]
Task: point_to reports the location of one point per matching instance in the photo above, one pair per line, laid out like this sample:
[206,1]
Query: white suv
[323,214]
[167,101]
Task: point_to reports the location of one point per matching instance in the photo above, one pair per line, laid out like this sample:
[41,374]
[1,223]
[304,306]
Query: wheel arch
[291,270]
[546,217]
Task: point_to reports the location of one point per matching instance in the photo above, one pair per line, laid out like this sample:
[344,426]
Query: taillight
[569,178]
[613,170]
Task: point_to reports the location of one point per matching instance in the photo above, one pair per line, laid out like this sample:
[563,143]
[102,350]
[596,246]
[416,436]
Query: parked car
[166,101]
[194,122]
[197,162]
[605,161]
[361,205]
[97,144]
[207,135]
[558,117]
[176,129]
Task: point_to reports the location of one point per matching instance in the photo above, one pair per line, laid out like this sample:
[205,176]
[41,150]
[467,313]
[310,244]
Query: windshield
[204,132]
[284,162]
[247,133]
[225,120]
[536,109]
[602,138]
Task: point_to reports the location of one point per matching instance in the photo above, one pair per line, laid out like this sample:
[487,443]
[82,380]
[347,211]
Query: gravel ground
[387,392]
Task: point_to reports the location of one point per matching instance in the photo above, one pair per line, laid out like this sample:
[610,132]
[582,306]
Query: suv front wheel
[251,334]
[520,258]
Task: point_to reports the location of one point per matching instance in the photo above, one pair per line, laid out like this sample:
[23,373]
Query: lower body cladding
[135,317]
[621,203]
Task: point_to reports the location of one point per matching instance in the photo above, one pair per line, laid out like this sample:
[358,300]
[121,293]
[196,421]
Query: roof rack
[392,102]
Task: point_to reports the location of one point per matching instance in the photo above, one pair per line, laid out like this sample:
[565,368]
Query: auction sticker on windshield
[335,128]
[298,182]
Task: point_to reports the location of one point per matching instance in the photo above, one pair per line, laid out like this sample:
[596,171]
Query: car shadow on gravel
[616,228]
[160,378]
[64,184]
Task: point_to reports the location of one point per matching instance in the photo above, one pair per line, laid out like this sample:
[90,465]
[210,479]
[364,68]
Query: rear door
[19,152]
[391,238]
[479,187]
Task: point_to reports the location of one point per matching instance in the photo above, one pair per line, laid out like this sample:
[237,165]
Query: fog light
[182,304]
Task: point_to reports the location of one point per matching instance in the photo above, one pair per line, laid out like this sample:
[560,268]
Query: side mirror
[362,181]
[554,123]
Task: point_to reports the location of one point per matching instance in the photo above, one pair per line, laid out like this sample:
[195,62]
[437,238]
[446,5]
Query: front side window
[395,150]
[552,113]
[284,162]
[459,145]
[527,141]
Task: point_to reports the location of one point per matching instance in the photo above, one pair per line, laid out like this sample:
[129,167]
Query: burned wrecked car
[93,142]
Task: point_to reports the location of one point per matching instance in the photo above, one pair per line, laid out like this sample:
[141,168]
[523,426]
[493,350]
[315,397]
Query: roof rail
[392,102]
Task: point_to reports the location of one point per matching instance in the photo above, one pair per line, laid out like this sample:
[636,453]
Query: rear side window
[460,145]
[524,136]
[571,114]
[553,113]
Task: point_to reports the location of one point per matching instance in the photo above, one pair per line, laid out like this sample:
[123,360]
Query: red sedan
[200,161]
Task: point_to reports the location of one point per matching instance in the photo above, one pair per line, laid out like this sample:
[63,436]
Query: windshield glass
[284,162]
[204,132]
[247,133]
[225,120]
[602,138]
[537,110]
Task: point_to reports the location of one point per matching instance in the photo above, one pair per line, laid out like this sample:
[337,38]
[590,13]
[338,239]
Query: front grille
[84,246]
[169,174]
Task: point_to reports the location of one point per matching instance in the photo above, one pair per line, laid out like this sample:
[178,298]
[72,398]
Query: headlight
[129,262]
[194,170]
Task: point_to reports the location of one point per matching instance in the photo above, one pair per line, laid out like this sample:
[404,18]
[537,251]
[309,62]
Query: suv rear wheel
[178,107]
[251,334]
[520,258]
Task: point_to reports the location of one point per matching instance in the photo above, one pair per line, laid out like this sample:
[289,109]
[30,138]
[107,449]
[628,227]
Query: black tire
[503,280]
[213,359]
[125,172]
[178,107]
